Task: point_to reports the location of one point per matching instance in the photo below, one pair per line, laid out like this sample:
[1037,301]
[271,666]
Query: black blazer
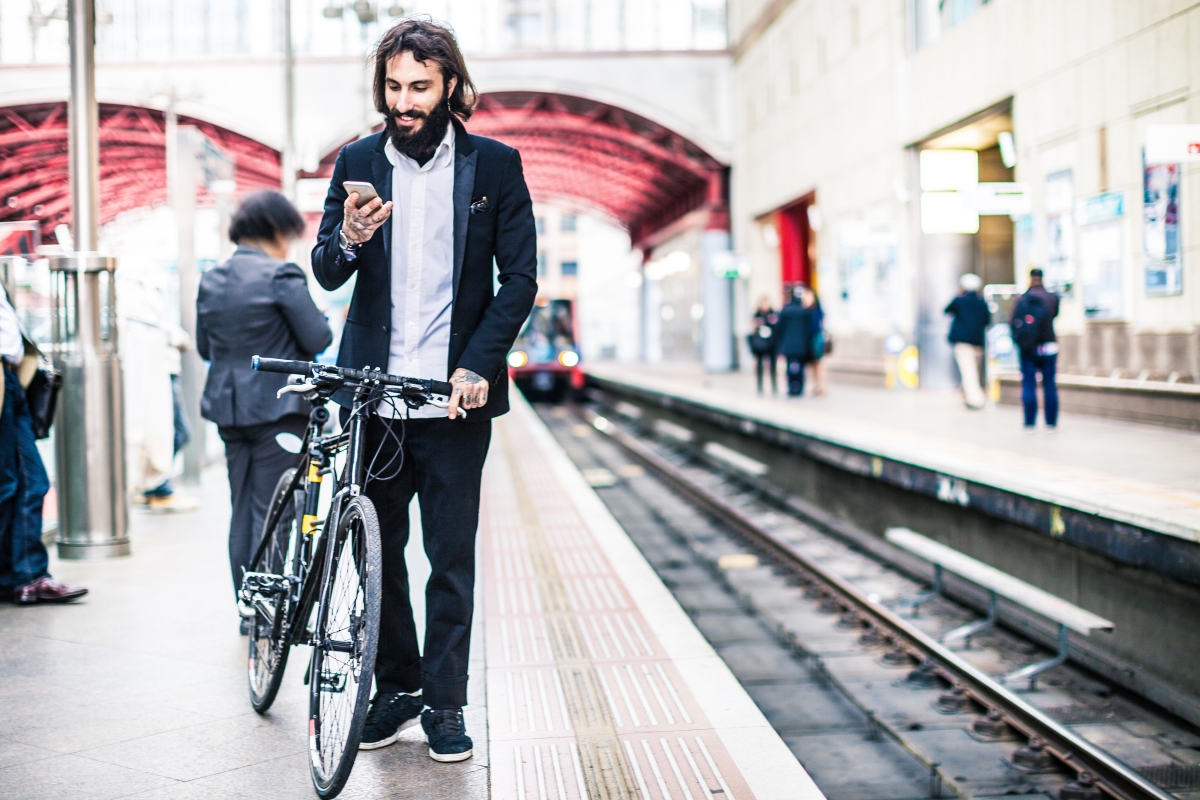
[254,305]
[493,219]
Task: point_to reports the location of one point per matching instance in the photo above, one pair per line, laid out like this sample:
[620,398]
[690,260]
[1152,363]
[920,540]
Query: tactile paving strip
[582,701]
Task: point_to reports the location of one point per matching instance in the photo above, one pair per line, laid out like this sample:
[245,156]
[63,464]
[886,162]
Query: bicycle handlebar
[315,370]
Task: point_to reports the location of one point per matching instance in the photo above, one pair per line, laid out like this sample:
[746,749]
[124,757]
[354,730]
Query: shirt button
[412,285]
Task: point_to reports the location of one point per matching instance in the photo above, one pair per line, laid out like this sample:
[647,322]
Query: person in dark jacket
[1042,357]
[971,314]
[793,339]
[819,343]
[453,210]
[762,342]
[256,303]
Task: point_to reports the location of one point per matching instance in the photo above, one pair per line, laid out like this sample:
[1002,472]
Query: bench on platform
[1067,616]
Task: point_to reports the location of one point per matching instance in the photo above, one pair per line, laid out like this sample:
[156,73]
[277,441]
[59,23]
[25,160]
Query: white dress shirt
[12,346]
[422,266]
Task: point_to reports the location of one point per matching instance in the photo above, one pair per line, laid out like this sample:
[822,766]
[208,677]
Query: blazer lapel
[381,169]
[464,184]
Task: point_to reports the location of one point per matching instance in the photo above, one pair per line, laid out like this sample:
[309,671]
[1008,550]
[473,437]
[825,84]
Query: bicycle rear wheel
[269,631]
[343,662]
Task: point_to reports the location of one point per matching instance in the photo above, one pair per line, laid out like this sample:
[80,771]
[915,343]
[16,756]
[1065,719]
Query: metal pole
[83,124]
[289,105]
[93,516]
[182,147]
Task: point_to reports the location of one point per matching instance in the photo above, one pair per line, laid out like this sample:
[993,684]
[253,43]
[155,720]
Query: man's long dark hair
[427,41]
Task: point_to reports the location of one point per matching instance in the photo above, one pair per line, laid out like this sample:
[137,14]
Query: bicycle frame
[306,583]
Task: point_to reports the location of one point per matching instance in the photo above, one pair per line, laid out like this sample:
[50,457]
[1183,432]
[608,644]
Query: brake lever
[296,388]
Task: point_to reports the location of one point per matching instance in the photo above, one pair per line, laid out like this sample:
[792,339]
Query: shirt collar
[444,149]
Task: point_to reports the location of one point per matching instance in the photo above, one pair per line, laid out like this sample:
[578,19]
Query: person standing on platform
[820,341]
[23,480]
[793,339]
[971,314]
[1033,334]
[450,206]
[762,342]
[256,303]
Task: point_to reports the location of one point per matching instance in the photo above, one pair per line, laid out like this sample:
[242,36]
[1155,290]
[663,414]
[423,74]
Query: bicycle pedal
[333,682]
[264,583]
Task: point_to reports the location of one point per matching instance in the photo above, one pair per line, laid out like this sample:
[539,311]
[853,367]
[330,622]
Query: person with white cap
[970,313]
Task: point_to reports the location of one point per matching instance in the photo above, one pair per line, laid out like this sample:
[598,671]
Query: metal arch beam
[634,171]
[33,161]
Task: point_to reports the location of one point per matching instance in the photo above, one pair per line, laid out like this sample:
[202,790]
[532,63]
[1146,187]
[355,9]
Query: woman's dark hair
[265,215]
[427,41]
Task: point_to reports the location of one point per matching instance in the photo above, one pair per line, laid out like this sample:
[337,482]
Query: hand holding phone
[363,212]
[366,192]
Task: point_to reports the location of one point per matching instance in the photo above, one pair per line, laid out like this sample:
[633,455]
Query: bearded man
[449,205]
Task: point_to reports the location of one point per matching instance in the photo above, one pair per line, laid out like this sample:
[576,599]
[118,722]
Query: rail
[1092,765]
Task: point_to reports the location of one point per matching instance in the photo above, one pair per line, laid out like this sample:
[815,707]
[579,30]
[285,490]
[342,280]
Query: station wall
[835,98]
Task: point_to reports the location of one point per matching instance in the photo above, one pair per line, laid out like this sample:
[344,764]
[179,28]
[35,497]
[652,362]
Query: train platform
[1116,476]
[587,678]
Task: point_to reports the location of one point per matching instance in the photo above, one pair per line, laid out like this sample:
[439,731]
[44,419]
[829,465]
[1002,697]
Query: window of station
[931,19]
[541,265]
[540,225]
[569,222]
[570,268]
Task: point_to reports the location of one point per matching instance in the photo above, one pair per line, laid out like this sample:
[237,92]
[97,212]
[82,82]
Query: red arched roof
[598,157]
[34,171]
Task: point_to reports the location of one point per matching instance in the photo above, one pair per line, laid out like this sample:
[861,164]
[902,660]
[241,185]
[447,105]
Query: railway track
[826,604]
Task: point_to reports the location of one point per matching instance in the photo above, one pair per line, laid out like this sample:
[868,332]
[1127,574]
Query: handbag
[818,345]
[41,396]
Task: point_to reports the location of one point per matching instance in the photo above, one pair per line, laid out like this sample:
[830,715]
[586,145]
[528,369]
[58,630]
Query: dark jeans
[443,466]
[255,461]
[769,360]
[1030,367]
[183,431]
[23,487]
[795,376]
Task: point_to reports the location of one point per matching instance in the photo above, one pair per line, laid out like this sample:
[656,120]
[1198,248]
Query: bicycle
[317,581]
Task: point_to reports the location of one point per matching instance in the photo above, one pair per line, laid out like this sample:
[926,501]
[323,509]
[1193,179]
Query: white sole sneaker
[391,739]
[449,758]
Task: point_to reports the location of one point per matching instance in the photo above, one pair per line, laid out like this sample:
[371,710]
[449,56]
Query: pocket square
[480,206]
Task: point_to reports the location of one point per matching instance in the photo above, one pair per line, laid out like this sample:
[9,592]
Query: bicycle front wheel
[343,661]
[268,634]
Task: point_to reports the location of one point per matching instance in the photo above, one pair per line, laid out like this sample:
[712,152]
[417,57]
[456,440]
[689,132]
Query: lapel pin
[480,206]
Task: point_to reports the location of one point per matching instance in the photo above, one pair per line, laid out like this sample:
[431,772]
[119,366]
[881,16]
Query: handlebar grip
[441,387]
[281,365]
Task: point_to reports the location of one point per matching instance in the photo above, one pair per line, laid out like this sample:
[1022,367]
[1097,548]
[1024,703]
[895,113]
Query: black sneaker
[448,740]
[390,714]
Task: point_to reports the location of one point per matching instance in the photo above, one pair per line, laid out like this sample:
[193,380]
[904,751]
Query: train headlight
[517,359]
[568,358]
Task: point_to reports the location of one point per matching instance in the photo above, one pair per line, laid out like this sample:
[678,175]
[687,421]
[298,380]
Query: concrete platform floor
[139,690]
[1147,473]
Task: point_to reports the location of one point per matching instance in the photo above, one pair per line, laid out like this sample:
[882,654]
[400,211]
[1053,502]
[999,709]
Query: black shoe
[390,714]
[448,740]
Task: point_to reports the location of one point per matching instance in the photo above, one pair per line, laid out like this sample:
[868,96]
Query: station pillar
[716,287]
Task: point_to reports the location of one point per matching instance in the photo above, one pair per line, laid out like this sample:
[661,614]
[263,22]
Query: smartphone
[366,192]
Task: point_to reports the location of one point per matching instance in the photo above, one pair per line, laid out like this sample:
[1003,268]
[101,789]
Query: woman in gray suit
[256,303]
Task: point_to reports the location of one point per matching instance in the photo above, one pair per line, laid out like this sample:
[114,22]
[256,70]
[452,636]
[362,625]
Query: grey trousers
[255,462]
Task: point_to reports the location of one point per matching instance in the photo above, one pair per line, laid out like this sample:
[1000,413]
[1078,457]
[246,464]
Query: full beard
[419,145]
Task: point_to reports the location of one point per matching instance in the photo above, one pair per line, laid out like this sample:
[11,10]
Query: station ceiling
[34,170]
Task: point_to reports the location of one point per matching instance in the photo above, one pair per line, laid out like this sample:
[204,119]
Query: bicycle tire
[340,681]
[268,642]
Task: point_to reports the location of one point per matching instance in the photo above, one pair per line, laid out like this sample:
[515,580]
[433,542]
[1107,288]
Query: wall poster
[1060,232]
[1102,255]
[1160,230]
